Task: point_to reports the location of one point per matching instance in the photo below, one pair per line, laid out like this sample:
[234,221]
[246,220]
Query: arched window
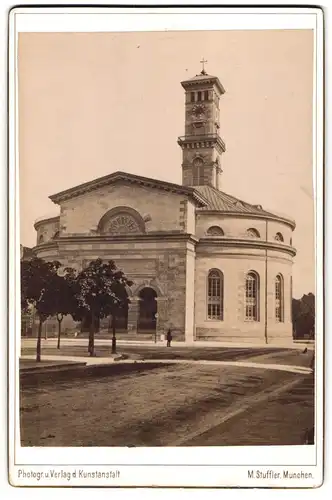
[215,231]
[121,220]
[279,237]
[56,235]
[252,233]
[198,172]
[279,298]
[41,239]
[215,298]
[252,297]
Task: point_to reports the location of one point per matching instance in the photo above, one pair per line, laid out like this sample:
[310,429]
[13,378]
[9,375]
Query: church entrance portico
[147,311]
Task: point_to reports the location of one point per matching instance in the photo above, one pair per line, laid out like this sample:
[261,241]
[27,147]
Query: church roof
[207,198]
[132,179]
[218,201]
[203,78]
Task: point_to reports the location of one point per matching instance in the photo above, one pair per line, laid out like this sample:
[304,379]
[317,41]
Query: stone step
[135,336]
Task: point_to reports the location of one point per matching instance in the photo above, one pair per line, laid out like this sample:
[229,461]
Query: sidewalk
[93,361]
[76,359]
[150,343]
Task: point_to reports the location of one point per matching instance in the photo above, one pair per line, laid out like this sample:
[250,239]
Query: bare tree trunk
[59,330]
[91,348]
[90,335]
[113,334]
[40,326]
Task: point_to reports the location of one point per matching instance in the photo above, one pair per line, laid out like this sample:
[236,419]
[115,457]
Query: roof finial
[203,61]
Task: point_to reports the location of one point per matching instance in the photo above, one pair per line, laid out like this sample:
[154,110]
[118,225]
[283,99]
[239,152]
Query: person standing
[169,338]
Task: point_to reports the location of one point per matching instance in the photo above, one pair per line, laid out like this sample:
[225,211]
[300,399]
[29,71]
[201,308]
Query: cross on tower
[203,61]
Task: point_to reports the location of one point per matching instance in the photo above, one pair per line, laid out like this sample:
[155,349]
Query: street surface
[182,404]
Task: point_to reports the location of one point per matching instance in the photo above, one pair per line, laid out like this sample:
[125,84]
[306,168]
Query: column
[133,311]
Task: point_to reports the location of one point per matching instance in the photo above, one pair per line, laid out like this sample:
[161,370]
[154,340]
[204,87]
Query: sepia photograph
[167,241]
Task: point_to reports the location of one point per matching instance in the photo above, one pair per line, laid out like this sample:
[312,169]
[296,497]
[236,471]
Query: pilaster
[162,315]
[133,311]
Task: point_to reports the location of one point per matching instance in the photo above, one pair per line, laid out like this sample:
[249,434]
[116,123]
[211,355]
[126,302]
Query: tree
[101,291]
[64,288]
[37,282]
[116,307]
[303,316]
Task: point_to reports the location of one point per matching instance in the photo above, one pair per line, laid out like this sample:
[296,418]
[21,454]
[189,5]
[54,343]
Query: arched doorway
[147,321]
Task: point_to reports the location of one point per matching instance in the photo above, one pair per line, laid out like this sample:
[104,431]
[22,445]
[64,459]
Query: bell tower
[202,145]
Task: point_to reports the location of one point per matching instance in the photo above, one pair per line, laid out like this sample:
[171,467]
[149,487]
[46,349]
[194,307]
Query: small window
[215,231]
[279,237]
[199,96]
[206,95]
[41,239]
[192,96]
[253,233]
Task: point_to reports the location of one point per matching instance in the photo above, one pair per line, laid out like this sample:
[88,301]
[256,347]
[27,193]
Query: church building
[204,263]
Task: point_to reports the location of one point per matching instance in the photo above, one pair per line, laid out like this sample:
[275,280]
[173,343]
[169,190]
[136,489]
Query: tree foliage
[38,279]
[100,292]
[303,316]
[97,291]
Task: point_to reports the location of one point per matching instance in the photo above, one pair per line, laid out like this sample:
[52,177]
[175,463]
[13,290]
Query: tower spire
[203,61]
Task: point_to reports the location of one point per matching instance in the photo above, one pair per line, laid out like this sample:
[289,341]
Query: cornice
[159,236]
[48,245]
[249,215]
[131,179]
[203,82]
[246,243]
[155,236]
[40,222]
[203,141]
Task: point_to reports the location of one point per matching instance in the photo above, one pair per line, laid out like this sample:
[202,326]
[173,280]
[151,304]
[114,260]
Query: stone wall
[190,295]
[47,229]
[236,227]
[161,210]
[159,264]
[235,264]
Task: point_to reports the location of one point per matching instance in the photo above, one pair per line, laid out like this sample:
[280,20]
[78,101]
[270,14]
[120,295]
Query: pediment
[134,180]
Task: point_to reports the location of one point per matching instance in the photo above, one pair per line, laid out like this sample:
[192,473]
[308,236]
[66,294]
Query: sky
[94,103]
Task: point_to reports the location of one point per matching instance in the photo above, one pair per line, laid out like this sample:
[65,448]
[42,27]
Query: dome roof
[222,202]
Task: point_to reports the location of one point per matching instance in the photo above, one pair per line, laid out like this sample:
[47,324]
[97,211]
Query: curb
[51,368]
